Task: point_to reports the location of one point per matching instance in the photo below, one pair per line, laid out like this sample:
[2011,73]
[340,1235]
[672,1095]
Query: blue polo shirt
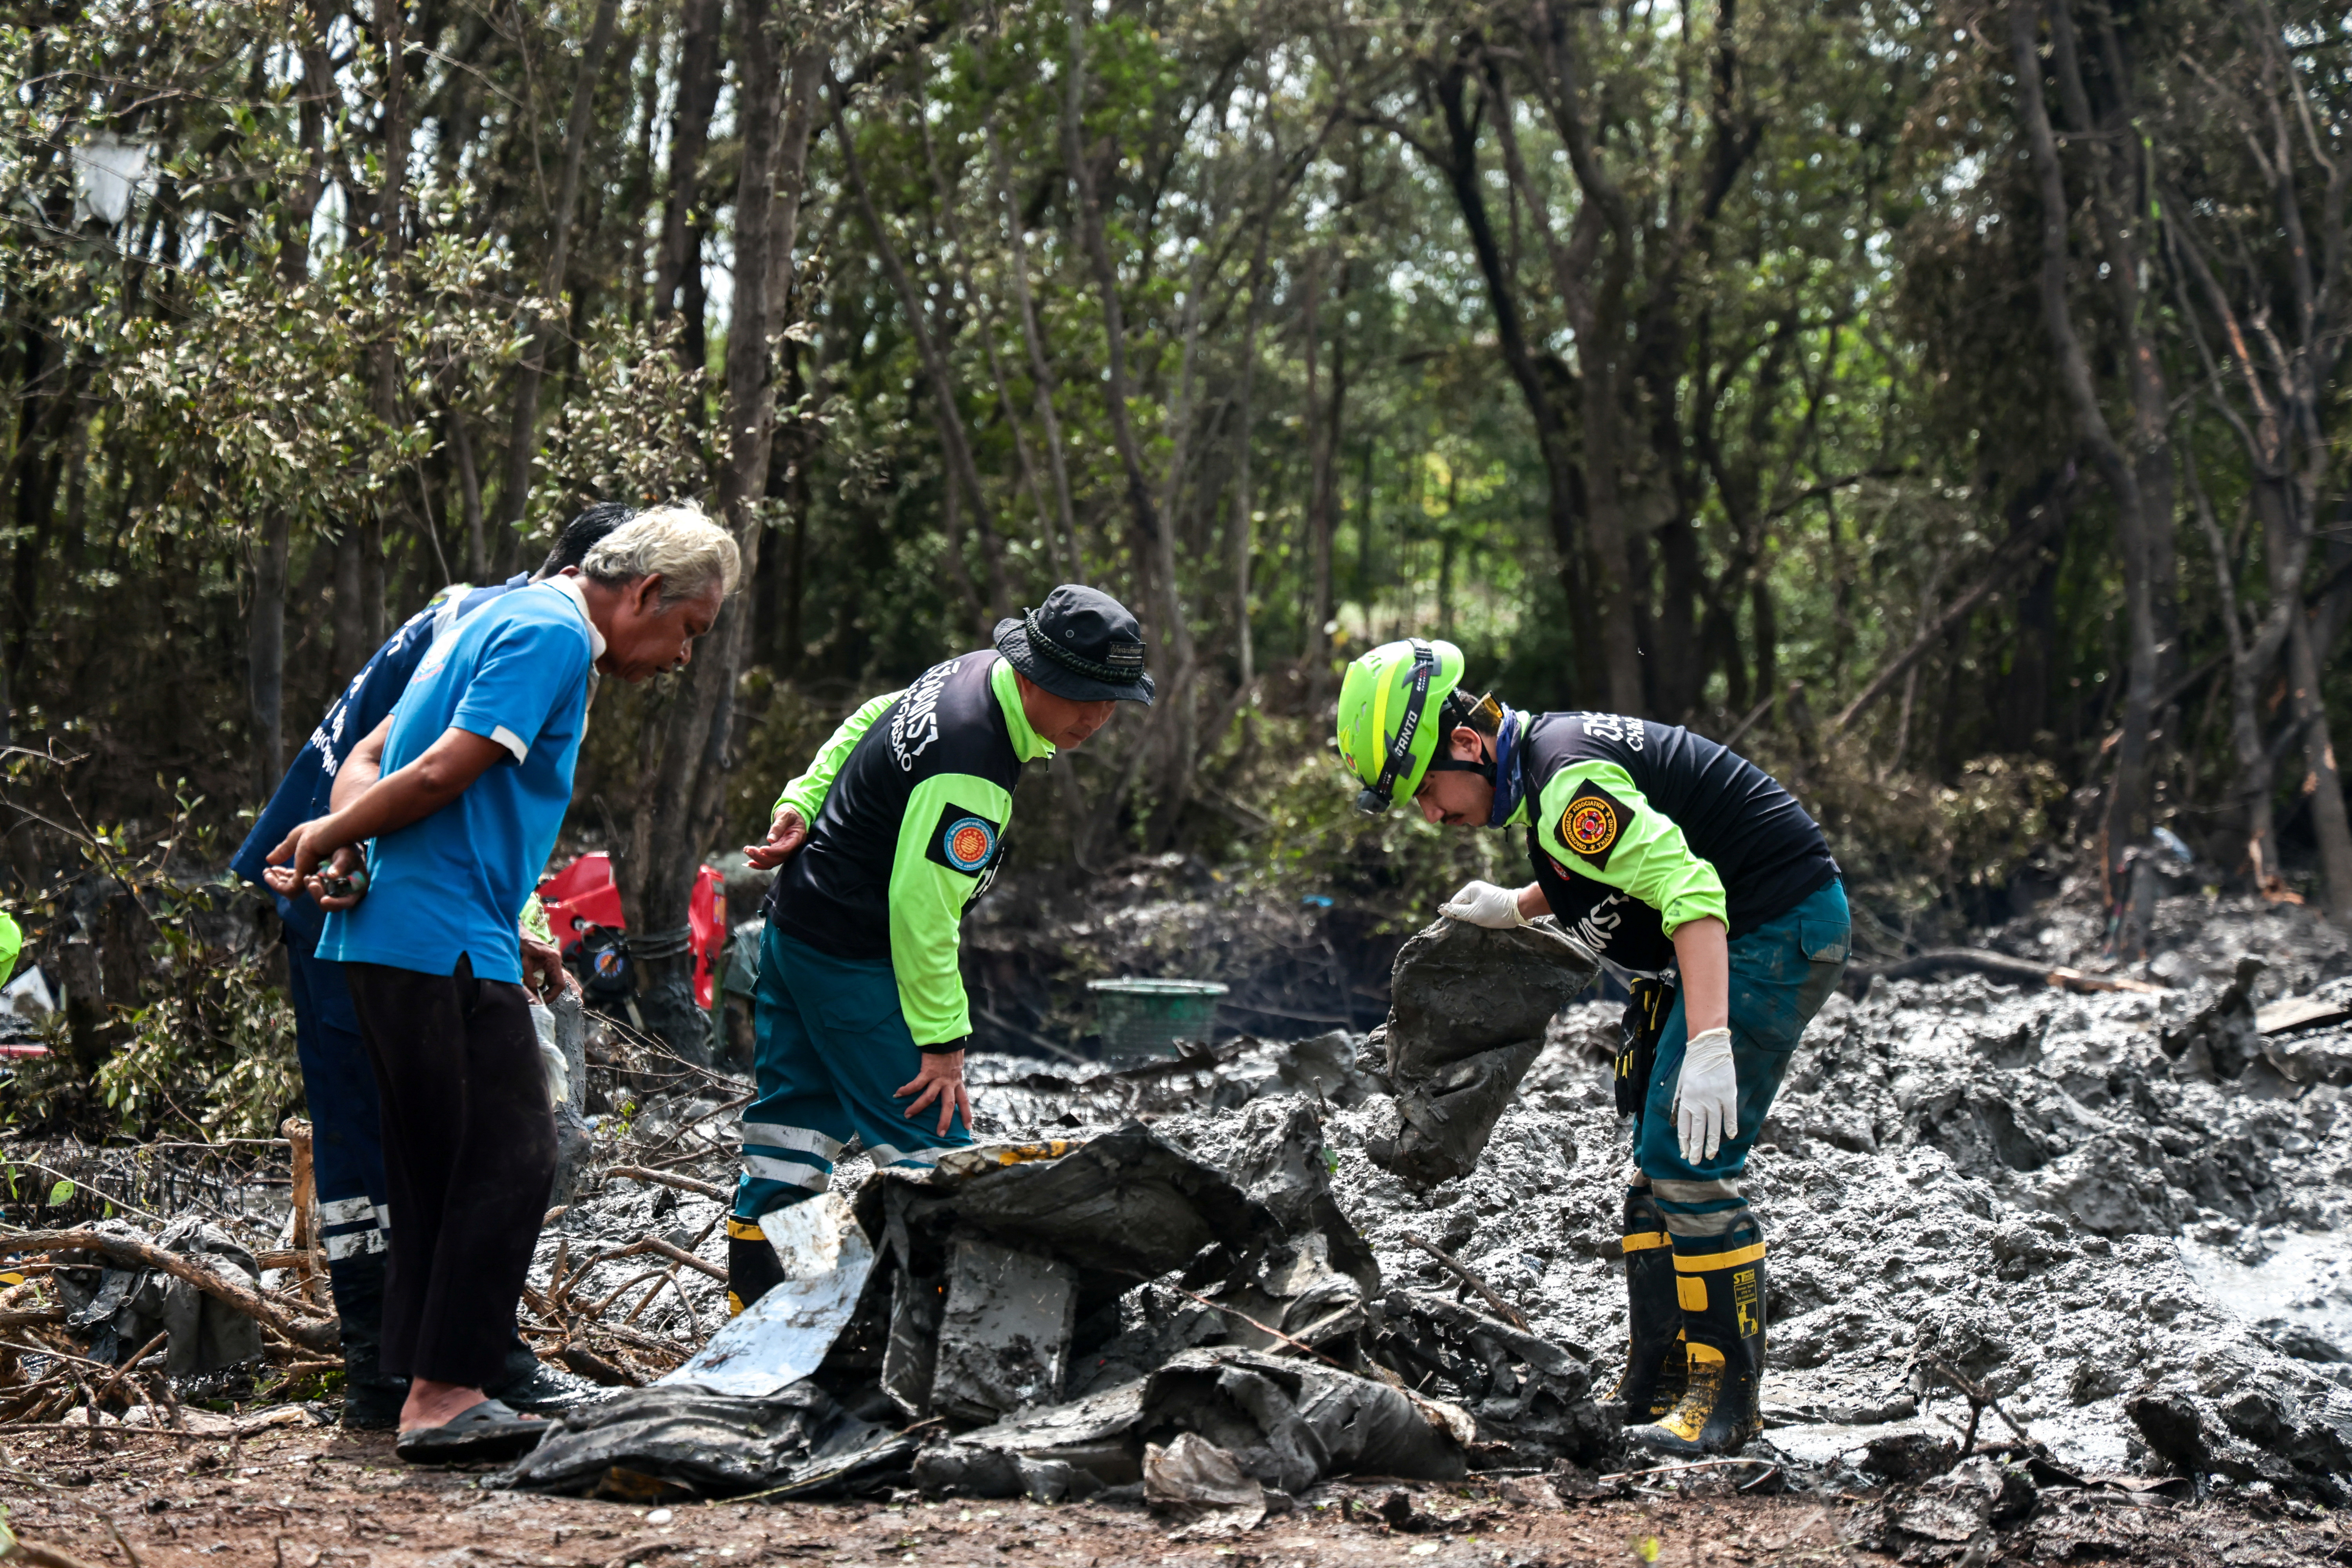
[302,794]
[452,885]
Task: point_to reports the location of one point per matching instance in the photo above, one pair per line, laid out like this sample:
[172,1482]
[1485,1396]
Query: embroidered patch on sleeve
[1590,824]
[964,841]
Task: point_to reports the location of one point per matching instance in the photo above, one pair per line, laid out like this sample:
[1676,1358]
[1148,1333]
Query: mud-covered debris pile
[2126,1213]
[1117,1308]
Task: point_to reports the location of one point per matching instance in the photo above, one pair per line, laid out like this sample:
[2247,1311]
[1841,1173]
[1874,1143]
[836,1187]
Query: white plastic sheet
[782,1336]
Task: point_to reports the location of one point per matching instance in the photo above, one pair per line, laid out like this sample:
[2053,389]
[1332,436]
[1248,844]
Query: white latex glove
[1707,1096]
[1484,904]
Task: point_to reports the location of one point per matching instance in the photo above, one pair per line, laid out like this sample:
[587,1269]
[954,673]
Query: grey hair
[678,543]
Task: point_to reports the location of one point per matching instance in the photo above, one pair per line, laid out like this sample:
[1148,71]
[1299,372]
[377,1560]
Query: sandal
[479,1434]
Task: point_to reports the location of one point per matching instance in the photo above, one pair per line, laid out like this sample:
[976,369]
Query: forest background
[1936,401]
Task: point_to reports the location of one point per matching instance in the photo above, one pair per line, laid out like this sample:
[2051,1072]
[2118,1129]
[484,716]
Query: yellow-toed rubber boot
[1722,1293]
[752,1266]
[1652,1383]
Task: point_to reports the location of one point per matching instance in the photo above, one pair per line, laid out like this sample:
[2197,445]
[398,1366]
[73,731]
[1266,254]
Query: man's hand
[1484,904]
[294,864]
[341,882]
[1707,1096]
[543,974]
[942,1080]
[785,835]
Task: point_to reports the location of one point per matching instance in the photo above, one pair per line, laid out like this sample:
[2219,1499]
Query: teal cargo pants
[1781,973]
[831,1048]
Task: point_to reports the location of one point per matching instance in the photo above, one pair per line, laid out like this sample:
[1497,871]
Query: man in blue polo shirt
[476,774]
[338,1085]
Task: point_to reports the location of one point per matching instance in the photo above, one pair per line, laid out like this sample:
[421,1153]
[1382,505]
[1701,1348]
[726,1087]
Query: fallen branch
[142,1353]
[1469,1277]
[2001,966]
[1691,1465]
[676,1254]
[666,1179]
[39,1556]
[595,1368]
[320,1334]
[1262,1328]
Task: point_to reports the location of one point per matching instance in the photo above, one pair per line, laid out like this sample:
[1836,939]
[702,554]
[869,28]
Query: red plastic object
[583,894]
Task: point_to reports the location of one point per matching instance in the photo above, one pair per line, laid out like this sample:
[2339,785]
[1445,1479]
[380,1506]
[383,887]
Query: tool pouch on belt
[1637,1036]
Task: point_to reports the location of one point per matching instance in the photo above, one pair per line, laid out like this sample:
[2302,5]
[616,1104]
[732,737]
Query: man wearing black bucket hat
[898,824]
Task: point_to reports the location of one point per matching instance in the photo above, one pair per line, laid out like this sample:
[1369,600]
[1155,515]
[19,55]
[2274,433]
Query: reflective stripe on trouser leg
[349,1227]
[1697,1210]
[909,1158]
[776,1178]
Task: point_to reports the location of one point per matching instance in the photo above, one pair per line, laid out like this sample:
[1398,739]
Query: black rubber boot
[371,1397]
[1720,1411]
[531,1387]
[1652,1383]
[752,1266]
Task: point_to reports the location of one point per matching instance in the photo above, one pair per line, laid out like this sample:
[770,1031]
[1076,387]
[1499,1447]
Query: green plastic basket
[1147,1017]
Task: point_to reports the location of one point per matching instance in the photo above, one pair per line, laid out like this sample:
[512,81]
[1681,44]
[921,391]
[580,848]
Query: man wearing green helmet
[1702,883]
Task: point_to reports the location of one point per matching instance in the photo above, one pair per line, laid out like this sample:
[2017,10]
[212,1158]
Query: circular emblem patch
[968,843]
[1590,826]
[608,962]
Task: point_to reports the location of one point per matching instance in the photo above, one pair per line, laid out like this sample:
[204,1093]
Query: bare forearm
[414,792]
[1533,905]
[388,806]
[1703,961]
[360,769]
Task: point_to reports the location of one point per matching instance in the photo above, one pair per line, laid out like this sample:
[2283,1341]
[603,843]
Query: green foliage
[1827,372]
[1314,841]
[217,1048]
[203,1044]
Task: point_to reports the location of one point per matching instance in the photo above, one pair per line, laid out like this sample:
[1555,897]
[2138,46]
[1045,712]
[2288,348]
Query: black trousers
[468,1157]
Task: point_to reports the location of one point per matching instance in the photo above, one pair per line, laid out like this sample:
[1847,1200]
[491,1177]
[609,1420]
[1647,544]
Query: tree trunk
[388,240]
[1323,481]
[678,268]
[678,802]
[469,490]
[1242,535]
[523,449]
[1566,482]
[953,437]
[1057,459]
[2322,781]
[2120,195]
[351,644]
[2125,818]
[265,651]
[2255,774]
[1154,544]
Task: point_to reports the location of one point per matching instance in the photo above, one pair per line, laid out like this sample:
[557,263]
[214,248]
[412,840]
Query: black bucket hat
[1080,644]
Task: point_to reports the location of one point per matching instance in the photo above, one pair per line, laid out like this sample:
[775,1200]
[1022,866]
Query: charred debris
[2029,1238]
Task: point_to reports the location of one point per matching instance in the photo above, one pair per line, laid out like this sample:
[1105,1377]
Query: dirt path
[318,1498]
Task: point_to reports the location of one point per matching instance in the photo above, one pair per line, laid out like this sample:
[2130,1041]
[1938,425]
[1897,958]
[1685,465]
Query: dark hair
[1460,708]
[583,533]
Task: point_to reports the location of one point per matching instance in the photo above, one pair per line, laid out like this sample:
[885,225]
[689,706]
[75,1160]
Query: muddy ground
[323,1499]
[2086,1203]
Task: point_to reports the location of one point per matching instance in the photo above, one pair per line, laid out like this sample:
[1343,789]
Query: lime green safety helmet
[1388,719]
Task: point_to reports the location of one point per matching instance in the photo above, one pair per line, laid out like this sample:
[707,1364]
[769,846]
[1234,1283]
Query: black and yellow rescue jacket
[1635,829]
[906,806]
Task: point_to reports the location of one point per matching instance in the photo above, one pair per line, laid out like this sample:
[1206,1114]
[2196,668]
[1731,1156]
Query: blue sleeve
[301,795]
[529,671]
[377,691]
